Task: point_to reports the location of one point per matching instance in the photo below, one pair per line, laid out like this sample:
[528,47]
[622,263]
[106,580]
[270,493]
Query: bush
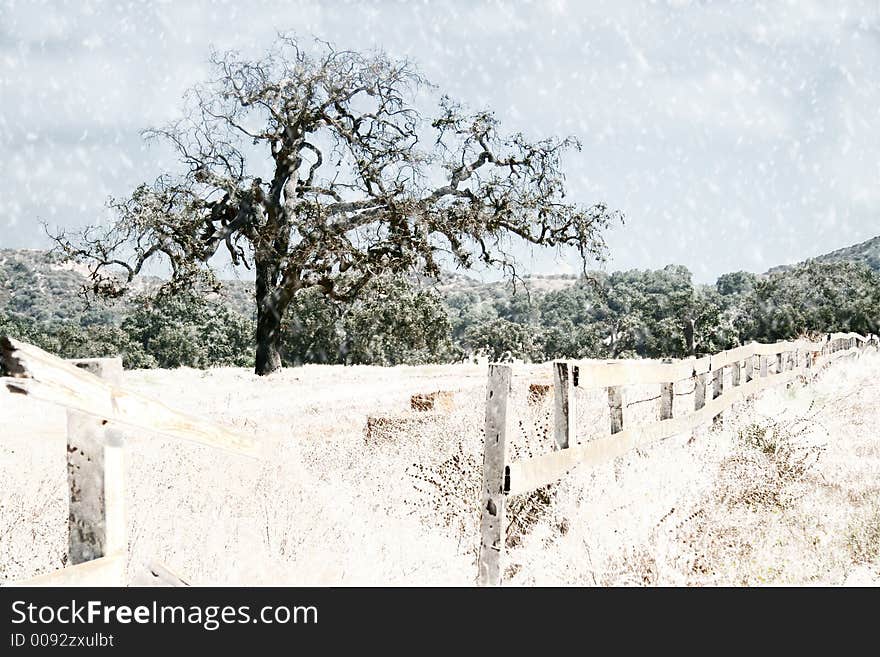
[186,330]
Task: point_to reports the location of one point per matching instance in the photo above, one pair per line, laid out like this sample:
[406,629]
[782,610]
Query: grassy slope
[867,252]
[330,506]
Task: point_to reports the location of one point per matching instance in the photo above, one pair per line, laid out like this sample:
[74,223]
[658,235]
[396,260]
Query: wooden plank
[847,336]
[615,408]
[529,474]
[608,373]
[725,358]
[105,571]
[95,477]
[667,397]
[43,376]
[492,519]
[564,429]
[773,349]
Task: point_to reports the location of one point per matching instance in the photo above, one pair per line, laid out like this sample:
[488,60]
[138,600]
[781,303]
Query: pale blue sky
[734,135]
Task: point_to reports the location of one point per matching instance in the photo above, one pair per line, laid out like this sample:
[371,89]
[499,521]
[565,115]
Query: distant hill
[867,252]
[41,286]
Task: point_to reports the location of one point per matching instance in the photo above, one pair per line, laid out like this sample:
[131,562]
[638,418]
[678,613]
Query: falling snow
[755,121]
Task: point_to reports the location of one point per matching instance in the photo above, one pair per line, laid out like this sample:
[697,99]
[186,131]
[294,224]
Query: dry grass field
[787,491]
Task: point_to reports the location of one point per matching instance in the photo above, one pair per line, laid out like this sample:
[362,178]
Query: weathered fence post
[615,406]
[750,376]
[95,471]
[780,362]
[699,391]
[667,396]
[736,377]
[564,403]
[699,399]
[717,383]
[717,391]
[494,462]
[762,364]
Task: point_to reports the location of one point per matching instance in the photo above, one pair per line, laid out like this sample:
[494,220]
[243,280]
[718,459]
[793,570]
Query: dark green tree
[188,330]
[397,323]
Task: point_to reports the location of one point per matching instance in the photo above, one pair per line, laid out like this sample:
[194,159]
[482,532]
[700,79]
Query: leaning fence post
[95,470]
[494,463]
[564,403]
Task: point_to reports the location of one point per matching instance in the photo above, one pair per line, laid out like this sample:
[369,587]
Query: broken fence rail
[96,403]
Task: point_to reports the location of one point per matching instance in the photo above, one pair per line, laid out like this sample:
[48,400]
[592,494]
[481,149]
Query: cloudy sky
[734,135]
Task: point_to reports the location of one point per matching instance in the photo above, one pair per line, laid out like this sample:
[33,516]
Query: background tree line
[662,313]
[637,313]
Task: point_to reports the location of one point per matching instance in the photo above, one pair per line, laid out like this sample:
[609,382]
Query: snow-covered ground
[331,505]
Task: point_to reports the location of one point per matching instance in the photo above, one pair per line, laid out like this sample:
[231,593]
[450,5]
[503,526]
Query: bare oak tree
[319,171]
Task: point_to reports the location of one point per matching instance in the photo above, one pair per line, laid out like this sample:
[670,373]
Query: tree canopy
[316,168]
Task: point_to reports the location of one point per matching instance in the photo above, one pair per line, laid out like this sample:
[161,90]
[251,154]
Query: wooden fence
[97,405]
[753,368]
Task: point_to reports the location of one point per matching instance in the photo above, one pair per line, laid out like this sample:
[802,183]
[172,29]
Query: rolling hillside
[867,252]
[38,285]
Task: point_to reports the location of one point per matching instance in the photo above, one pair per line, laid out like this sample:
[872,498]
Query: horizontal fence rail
[753,368]
[96,405]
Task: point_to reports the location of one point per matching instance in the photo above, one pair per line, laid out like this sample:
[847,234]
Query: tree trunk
[689,336]
[268,341]
[269,314]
